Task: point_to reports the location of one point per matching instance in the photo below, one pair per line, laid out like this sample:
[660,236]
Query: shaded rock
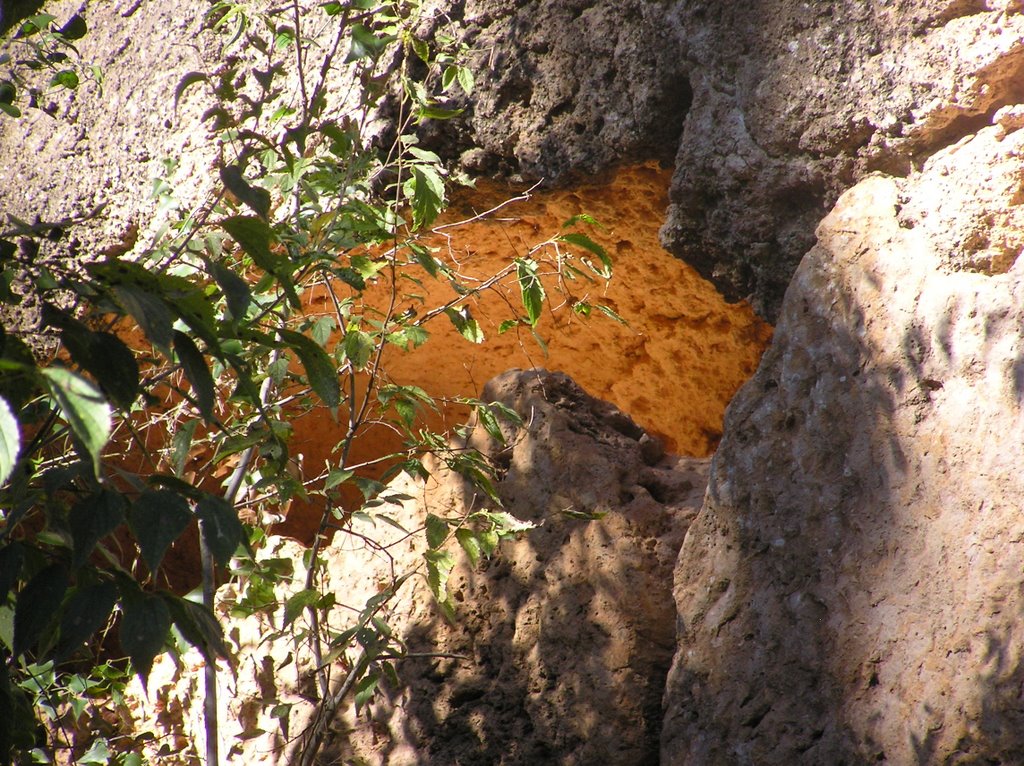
[565,636]
[851,591]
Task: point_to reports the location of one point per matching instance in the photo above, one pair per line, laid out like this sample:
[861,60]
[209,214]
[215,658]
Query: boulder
[851,591]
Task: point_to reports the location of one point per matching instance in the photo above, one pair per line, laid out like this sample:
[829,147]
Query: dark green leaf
[145,622]
[150,312]
[102,354]
[92,519]
[74,28]
[437,531]
[198,625]
[256,198]
[66,78]
[235,289]
[470,544]
[10,440]
[157,519]
[608,312]
[37,606]
[366,43]
[10,110]
[197,372]
[365,689]
[297,603]
[181,443]
[426,190]
[254,237]
[85,410]
[424,258]
[8,92]
[320,370]
[11,557]
[84,614]
[219,525]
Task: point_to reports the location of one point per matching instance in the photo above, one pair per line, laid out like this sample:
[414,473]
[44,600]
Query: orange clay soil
[674,368]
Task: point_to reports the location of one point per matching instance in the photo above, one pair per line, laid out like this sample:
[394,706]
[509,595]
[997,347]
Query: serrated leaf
[439,568]
[320,369]
[425,258]
[37,606]
[297,603]
[490,423]
[145,622]
[365,43]
[610,313]
[84,408]
[92,519]
[157,519]
[10,441]
[85,612]
[470,544]
[197,372]
[358,348]
[530,288]
[257,199]
[219,525]
[426,191]
[437,531]
[466,80]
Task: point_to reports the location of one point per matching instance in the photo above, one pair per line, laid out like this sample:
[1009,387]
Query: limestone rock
[851,591]
[567,634]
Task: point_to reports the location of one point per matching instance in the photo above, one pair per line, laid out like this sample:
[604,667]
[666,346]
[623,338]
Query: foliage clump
[167,406]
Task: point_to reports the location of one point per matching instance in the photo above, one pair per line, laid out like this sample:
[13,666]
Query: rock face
[567,633]
[852,589]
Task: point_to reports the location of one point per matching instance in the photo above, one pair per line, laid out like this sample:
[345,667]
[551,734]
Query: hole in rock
[673,369]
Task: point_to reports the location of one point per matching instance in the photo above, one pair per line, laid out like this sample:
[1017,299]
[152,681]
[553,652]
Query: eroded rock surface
[852,589]
[568,633]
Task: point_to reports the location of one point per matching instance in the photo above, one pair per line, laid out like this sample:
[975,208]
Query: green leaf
[11,557]
[320,369]
[366,44]
[490,422]
[158,518]
[465,324]
[531,289]
[190,79]
[256,198]
[85,410]
[219,525]
[150,312]
[426,190]
[424,258]
[66,78]
[297,603]
[336,476]
[470,544]
[98,753]
[74,28]
[198,625]
[608,312]
[585,242]
[10,441]
[437,531]
[181,443]
[92,519]
[37,606]
[466,80]
[365,689]
[358,347]
[145,622]
[254,237]
[235,289]
[10,109]
[85,612]
[439,568]
[436,113]
[109,360]
[197,372]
